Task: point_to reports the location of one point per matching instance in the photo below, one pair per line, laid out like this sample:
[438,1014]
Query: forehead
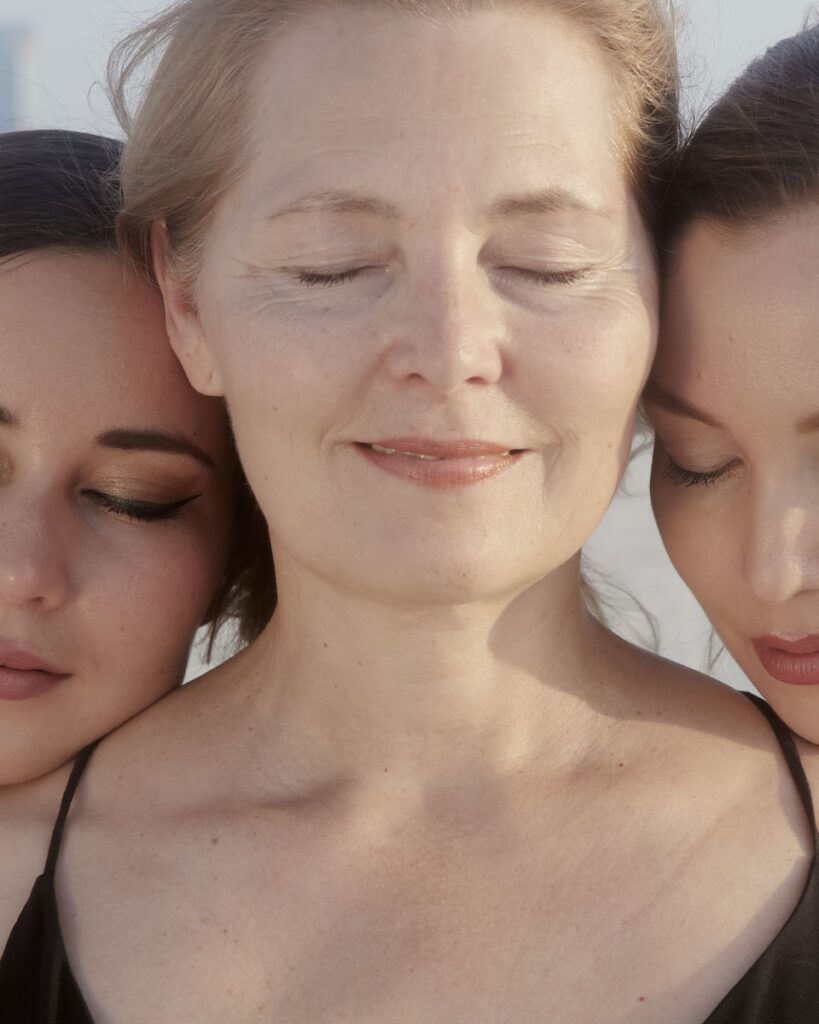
[482,101]
[741,306]
[81,344]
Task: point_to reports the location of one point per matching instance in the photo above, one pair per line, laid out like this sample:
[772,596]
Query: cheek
[151,595]
[700,538]
[596,356]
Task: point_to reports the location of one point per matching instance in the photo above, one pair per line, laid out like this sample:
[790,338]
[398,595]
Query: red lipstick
[24,675]
[795,662]
[440,464]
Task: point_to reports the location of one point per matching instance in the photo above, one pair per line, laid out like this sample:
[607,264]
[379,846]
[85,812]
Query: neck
[429,694]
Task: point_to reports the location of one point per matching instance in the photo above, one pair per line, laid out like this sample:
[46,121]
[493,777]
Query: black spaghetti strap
[791,754]
[65,807]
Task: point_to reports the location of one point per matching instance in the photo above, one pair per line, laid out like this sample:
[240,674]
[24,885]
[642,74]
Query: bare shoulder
[162,751]
[681,698]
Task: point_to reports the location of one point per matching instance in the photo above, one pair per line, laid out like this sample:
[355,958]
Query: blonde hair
[187,134]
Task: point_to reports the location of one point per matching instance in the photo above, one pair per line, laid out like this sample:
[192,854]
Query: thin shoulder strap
[65,807]
[791,755]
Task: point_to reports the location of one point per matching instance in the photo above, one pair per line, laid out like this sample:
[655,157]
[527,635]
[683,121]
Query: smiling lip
[795,662]
[441,464]
[24,675]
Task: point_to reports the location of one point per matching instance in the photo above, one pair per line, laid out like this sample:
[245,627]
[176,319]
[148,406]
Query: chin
[18,766]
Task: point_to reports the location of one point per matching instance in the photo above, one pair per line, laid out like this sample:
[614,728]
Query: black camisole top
[782,987]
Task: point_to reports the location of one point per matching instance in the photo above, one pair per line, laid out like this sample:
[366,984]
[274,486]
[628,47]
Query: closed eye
[143,511]
[327,279]
[548,277]
[681,477]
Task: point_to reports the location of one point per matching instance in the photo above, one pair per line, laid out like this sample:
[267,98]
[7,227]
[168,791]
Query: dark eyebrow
[7,418]
[338,201]
[667,400]
[548,200]
[154,441]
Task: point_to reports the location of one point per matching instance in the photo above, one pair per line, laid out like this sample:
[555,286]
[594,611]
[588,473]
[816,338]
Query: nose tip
[32,571]
[450,340]
[782,557]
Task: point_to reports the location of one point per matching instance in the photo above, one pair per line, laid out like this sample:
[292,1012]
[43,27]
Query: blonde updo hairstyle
[187,132]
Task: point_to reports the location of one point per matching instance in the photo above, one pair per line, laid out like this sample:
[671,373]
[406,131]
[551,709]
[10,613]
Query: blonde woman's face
[734,397]
[430,300]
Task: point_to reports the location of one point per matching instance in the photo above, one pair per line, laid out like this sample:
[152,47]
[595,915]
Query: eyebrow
[338,201]
[673,403]
[7,418]
[547,200]
[154,441]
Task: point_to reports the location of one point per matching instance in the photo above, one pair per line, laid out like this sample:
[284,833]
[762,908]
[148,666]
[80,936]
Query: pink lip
[447,464]
[24,675]
[795,662]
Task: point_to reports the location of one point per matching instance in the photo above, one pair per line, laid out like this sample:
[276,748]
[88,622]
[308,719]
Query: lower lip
[442,473]
[16,684]
[794,669]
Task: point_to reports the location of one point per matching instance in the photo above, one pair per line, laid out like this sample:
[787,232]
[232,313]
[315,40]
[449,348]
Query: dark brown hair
[756,152]
[60,190]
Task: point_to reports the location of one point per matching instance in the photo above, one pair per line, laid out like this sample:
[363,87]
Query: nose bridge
[33,552]
[452,330]
[782,549]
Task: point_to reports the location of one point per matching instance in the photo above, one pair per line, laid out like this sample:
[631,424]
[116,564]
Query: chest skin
[607,896]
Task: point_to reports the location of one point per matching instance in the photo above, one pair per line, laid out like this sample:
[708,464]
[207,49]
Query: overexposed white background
[58,83]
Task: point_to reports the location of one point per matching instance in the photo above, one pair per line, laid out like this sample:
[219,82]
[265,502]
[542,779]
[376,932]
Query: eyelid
[142,511]
[681,477]
[325,277]
[567,275]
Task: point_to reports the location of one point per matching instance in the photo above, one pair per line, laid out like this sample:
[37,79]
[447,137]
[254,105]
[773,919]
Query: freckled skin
[113,601]
[739,342]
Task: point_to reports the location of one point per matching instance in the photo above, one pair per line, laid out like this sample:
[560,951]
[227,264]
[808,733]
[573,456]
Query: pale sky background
[67,42]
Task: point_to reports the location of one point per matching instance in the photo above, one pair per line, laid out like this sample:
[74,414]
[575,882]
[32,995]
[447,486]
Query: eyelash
[543,278]
[316,280]
[141,511]
[313,279]
[680,477]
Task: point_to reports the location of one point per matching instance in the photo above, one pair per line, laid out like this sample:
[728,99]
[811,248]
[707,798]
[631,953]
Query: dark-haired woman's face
[430,301]
[734,397]
[114,497]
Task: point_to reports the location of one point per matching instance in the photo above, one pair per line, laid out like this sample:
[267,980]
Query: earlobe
[183,323]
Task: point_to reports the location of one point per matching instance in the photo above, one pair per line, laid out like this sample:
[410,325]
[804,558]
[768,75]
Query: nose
[451,334]
[33,559]
[782,547]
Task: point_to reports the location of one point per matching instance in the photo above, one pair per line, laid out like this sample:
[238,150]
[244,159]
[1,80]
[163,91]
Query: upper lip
[801,645]
[24,661]
[464,448]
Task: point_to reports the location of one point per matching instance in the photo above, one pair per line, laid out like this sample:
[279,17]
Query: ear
[182,321]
